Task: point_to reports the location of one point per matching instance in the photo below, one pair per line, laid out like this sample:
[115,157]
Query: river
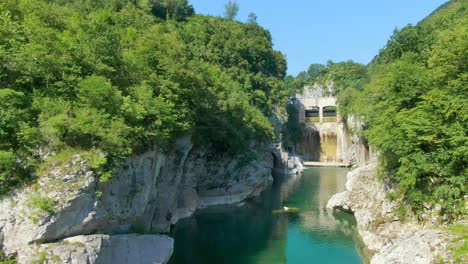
[255,233]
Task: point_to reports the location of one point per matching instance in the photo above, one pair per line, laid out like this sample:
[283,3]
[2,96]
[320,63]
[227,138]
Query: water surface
[254,233]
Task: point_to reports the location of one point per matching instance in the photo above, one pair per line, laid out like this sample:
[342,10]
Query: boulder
[339,202]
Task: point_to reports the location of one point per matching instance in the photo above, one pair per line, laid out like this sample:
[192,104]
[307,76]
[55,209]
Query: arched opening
[312,114]
[329,113]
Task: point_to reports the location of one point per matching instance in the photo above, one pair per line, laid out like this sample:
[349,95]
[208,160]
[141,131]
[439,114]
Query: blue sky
[315,31]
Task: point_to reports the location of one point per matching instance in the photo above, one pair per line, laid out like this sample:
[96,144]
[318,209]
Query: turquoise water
[254,234]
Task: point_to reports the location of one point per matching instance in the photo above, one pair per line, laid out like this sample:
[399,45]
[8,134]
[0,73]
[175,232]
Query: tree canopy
[342,74]
[416,106]
[231,9]
[117,77]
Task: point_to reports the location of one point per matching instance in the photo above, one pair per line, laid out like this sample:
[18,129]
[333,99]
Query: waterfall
[310,147]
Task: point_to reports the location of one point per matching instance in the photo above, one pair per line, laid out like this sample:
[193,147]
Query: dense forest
[109,78]
[412,100]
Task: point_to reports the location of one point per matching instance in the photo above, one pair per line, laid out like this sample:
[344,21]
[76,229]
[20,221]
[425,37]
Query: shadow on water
[252,233]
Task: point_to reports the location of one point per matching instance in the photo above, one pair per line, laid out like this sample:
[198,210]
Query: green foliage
[99,194]
[415,106]
[231,9]
[344,75]
[392,196]
[96,92]
[106,79]
[459,246]
[6,260]
[57,160]
[412,100]
[56,259]
[401,211]
[41,207]
[42,256]
[44,204]
[172,9]
[252,18]
[7,165]
[293,129]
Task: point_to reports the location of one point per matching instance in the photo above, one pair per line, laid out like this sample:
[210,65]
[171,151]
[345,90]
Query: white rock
[116,249]
[149,193]
[339,201]
[391,241]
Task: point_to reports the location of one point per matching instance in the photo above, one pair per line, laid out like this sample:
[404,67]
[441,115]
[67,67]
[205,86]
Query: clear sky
[315,31]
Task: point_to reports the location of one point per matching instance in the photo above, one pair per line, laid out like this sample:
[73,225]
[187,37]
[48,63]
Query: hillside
[107,79]
[412,98]
[416,107]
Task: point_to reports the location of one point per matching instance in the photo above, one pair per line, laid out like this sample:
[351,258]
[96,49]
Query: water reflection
[253,234]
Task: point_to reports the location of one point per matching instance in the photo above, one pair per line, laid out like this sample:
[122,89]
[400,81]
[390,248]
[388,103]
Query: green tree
[293,129]
[231,9]
[252,19]
[416,108]
[114,77]
[172,9]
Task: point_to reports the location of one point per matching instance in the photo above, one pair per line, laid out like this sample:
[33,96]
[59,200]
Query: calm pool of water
[254,233]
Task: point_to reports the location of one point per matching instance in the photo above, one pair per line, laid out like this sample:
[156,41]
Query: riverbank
[69,216]
[389,236]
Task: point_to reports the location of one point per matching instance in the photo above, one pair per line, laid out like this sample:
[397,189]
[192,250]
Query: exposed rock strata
[149,193]
[102,249]
[389,239]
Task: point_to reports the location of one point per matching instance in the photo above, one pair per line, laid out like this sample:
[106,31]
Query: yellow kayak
[287,210]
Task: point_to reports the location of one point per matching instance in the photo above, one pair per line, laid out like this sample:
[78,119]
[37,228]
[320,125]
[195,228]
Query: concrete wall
[333,142]
[320,136]
[304,103]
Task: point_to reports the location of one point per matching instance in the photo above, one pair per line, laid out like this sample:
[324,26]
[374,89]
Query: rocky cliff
[387,237]
[70,217]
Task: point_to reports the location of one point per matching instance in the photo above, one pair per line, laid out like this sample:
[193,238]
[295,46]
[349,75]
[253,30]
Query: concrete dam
[326,139]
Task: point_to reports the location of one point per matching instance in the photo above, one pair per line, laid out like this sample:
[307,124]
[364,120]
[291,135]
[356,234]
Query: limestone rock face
[285,161]
[147,194]
[58,205]
[388,238]
[339,200]
[418,247]
[119,249]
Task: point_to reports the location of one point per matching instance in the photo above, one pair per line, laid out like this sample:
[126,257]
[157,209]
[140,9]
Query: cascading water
[328,147]
[320,143]
[310,147]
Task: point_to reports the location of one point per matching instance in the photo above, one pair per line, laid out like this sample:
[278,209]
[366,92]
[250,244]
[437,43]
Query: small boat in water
[287,209]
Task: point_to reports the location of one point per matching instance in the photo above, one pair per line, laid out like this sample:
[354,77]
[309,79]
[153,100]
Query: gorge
[142,132]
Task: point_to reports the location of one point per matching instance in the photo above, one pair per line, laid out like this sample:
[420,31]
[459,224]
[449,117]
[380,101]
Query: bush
[459,246]
[41,207]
